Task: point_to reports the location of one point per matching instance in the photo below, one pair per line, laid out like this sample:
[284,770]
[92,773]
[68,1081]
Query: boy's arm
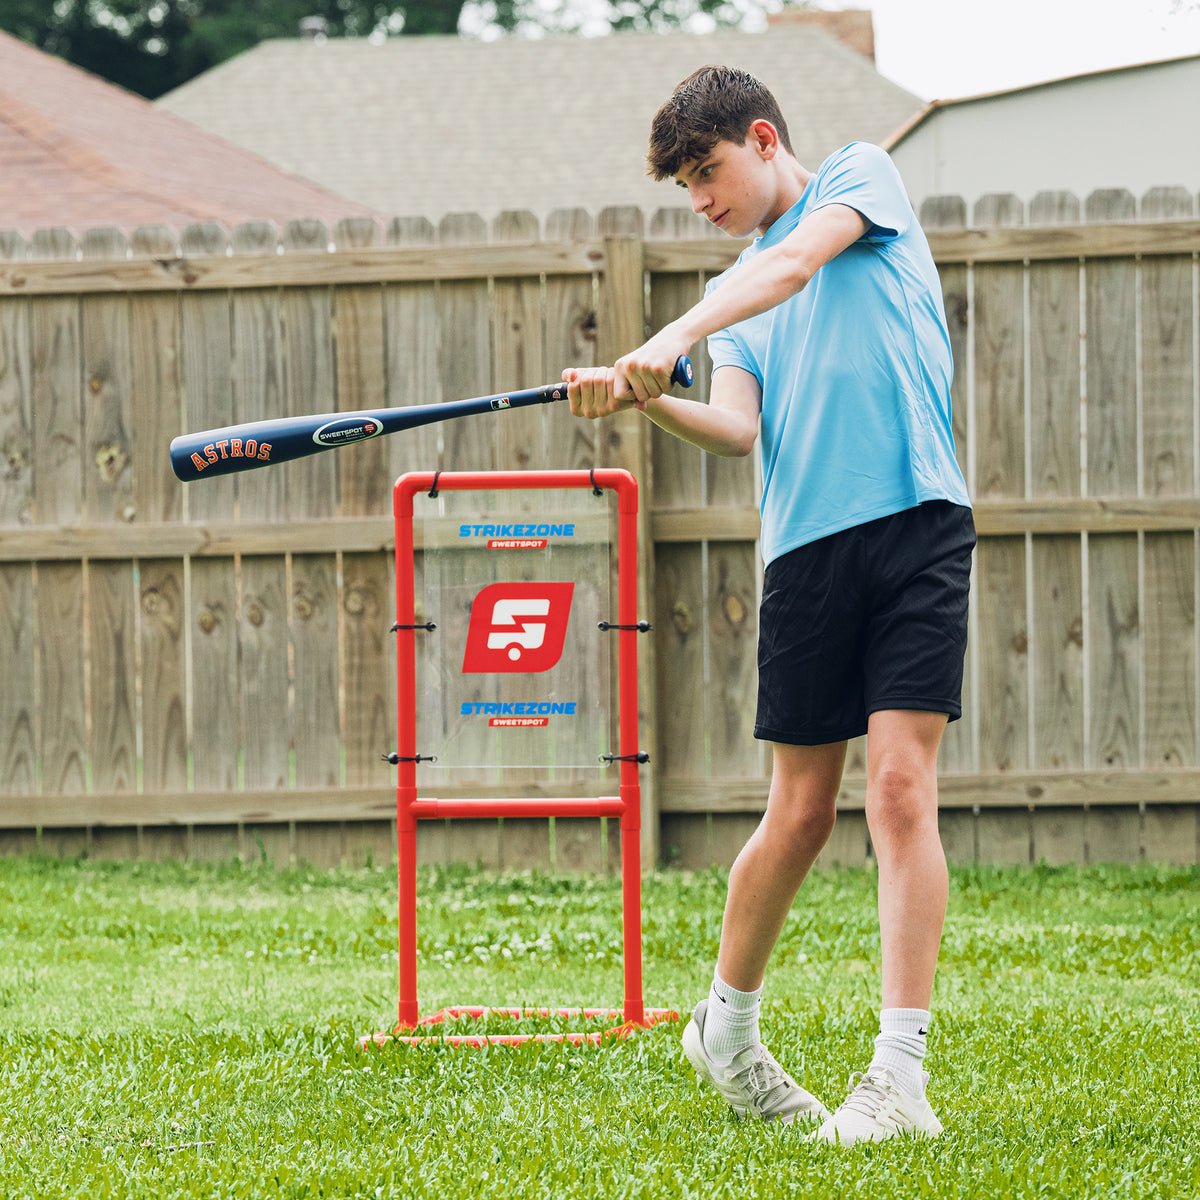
[727,425]
[759,284]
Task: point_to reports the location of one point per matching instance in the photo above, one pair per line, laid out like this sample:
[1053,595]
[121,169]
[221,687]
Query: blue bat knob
[683,373]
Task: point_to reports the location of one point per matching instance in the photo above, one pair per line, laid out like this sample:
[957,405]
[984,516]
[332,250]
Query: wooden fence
[208,670]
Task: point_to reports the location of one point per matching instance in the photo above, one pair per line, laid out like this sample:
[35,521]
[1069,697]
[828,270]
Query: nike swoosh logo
[922,1032]
[719,996]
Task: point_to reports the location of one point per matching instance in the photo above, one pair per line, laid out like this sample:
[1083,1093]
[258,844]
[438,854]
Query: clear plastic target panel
[514,682]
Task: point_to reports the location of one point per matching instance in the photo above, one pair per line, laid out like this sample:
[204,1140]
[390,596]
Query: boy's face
[738,188]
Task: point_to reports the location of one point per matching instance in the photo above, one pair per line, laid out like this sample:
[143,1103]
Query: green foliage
[192,1031]
[152,46]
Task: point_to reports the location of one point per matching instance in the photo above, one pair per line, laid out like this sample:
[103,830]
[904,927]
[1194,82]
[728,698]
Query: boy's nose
[699,199]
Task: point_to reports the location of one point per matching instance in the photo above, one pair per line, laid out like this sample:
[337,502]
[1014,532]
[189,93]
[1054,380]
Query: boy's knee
[804,825]
[901,804]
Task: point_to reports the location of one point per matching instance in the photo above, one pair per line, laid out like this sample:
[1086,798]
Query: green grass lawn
[192,1031]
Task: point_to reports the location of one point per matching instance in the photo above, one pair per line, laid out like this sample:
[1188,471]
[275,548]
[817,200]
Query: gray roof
[424,126]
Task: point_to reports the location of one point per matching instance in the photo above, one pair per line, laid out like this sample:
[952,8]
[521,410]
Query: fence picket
[112,734]
[679,465]
[155,386]
[108,499]
[999,328]
[733,569]
[156,396]
[58,499]
[411,337]
[58,430]
[309,384]
[1168,349]
[464,352]
[107,358]
[570,341]
[1112,407]
[257,370]
[207,357]
[1113,469]
[1057,561]
[18,758]
[163,675]
[363,476]
[215,742]
[519,352]
[262,601]
[959,750]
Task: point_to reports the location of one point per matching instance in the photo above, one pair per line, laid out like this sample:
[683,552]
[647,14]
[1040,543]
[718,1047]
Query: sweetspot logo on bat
[346,429]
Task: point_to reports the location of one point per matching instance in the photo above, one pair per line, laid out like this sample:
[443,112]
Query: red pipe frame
[627,806]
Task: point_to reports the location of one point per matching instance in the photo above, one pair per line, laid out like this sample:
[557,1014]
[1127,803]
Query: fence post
[626,443]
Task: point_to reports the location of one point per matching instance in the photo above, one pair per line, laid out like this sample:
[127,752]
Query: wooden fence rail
[205,670]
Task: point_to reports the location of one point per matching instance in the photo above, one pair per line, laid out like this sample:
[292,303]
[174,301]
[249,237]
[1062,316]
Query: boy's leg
[721,1040]
[902,748]
[902,815]
[768,872]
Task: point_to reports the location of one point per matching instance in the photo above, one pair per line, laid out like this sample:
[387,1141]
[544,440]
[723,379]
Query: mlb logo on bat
[517,628]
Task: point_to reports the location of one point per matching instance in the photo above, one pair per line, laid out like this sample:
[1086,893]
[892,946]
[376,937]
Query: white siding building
[1136,128]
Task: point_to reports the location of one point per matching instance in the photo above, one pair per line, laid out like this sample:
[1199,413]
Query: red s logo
[517,627]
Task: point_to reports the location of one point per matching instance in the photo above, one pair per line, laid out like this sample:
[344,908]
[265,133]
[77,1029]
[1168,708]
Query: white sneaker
[754,1083]
[876,1109]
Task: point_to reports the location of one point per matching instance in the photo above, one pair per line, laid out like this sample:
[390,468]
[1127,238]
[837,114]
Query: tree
[612,16]
[152,46]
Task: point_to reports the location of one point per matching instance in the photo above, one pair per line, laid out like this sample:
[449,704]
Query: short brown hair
[713,104]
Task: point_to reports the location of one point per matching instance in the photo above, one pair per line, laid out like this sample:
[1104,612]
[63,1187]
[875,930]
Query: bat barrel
[258,444]
[236,448]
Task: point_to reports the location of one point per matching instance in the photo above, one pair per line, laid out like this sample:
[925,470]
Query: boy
[829,328]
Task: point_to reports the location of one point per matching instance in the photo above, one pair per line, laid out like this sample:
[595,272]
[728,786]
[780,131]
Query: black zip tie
[395,758]
[640,757]
[433,486]
[640,627]
[428,625]
[597,490]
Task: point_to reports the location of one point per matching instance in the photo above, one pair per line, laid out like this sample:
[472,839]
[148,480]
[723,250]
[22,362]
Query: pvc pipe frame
[627,805]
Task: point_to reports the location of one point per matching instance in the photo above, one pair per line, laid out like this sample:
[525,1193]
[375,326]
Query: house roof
[430,125]
[917,119]
[82,153]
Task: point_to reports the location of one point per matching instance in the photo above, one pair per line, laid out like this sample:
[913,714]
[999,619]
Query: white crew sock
[731,1024]
[900,1046]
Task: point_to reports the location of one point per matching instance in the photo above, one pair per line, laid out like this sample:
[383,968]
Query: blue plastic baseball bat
[264,443]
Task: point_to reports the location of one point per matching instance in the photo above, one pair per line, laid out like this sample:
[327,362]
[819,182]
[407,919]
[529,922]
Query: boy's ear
[764,137]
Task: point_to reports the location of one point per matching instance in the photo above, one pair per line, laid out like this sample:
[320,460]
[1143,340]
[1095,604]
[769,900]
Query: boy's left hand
[592,392]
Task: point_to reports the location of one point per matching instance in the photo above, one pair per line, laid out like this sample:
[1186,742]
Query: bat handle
[683,373]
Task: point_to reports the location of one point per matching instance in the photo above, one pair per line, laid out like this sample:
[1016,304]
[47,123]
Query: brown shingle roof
[430,125]
[80,152]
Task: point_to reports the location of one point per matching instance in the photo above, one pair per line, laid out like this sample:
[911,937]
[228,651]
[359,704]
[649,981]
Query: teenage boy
[830,328]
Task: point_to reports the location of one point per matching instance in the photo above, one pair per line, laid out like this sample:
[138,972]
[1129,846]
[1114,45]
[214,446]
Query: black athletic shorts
[871,618]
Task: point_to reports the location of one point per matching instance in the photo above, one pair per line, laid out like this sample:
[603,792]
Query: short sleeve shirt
[855,369]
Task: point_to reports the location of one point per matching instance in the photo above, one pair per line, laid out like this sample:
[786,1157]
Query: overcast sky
[946,49]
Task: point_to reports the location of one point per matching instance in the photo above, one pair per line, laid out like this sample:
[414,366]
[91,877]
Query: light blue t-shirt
[855,369]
